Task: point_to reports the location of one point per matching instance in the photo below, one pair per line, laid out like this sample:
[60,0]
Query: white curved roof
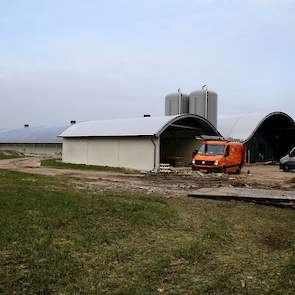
[149,126]
[242,127]
[43,134]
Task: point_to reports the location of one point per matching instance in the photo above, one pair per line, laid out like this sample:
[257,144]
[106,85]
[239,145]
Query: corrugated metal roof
[242,127]
[149,126]
[43,134]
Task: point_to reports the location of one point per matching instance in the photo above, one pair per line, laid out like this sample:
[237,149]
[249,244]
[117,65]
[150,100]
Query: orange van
[219,156]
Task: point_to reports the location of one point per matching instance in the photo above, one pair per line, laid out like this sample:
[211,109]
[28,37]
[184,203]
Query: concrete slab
[270,197]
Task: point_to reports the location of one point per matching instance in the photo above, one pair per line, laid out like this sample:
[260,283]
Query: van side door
[227,156]
[232,160]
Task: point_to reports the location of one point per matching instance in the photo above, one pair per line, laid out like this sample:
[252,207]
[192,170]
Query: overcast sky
[93,59]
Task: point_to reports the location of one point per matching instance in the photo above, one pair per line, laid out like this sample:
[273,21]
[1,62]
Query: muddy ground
[255,176]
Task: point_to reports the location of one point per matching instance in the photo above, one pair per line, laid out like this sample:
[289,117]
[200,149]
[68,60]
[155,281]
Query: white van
[287,163]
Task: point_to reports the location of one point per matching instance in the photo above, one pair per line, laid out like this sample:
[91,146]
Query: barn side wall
[46,149]
[128,152]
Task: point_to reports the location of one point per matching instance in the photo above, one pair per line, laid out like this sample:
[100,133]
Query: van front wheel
[239,169]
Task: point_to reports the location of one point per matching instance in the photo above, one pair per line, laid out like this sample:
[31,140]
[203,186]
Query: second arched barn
[266,136]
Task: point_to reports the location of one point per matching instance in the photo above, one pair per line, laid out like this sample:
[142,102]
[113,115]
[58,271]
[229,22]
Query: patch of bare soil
[292,180]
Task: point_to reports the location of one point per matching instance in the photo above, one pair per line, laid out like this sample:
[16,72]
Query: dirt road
[259,176]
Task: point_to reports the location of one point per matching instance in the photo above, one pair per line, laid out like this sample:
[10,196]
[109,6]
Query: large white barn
[137,143]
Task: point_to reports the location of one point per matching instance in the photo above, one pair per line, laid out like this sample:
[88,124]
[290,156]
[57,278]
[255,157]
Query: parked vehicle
[219,156]
[287,163]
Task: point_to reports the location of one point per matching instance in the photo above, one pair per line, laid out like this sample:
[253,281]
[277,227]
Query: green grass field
[55,240]
[7,157]
[52,163]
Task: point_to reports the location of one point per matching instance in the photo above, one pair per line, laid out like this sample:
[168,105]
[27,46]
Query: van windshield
[211,149]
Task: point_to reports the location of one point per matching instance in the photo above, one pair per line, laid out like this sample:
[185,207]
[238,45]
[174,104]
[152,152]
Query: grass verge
[53,163]
[9,155]
[56,240]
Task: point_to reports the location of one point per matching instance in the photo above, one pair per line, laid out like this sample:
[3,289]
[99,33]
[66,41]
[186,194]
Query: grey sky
[83,60]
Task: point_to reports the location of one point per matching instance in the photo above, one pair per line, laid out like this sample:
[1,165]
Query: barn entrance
[178,142]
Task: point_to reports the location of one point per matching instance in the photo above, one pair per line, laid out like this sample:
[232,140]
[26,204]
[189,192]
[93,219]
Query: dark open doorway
[273,139]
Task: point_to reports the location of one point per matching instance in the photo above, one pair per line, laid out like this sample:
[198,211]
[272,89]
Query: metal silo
[212,107]
[204,103]
[176,103]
